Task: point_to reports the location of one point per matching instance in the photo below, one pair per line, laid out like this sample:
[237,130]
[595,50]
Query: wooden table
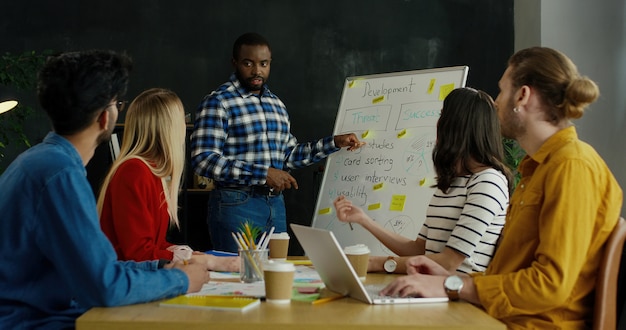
[344,314]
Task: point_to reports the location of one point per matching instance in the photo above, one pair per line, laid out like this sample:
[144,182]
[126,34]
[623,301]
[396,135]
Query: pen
[350,223]
[260,243]
[267,238]
[325,300]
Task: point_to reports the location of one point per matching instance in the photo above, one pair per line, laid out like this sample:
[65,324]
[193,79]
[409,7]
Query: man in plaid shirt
[242,140]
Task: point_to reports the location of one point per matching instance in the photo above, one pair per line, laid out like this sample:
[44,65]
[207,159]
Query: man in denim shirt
[56,263]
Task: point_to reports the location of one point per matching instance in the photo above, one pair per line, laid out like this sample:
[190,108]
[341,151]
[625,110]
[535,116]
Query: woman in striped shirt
[466,213]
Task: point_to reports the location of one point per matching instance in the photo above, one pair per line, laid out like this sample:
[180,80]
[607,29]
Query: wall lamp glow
[7,100]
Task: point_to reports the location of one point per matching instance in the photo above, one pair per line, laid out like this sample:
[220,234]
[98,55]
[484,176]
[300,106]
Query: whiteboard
[391,177]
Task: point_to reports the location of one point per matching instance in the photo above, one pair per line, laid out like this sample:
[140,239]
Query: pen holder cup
[251,269]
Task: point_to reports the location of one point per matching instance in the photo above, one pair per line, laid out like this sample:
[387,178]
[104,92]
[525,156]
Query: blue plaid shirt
[238,135]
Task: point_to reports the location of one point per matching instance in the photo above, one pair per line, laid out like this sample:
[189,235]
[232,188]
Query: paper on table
[303,277]
[212,302]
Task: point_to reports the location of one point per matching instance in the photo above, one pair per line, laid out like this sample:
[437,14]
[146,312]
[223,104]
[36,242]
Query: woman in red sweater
[138,201]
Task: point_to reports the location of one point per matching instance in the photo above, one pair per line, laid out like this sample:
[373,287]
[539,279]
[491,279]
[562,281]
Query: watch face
[390,265]
[453,283]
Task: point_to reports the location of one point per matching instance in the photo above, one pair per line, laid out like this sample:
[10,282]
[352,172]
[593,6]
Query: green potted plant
[513,155]
[19,73]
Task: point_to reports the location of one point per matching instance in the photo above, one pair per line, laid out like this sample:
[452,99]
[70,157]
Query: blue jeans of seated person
[229,208]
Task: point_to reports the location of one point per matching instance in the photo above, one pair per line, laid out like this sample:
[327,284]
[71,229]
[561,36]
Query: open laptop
[337,273]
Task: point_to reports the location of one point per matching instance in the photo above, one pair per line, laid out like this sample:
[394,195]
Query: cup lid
[284,235]
[278,266]
[356,249]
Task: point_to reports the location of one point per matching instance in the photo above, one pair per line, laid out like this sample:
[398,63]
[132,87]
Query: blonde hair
[154,132]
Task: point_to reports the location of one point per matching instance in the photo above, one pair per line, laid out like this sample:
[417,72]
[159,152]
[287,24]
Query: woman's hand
[346,212]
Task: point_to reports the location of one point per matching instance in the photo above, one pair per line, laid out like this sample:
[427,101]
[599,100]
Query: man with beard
[242,140]
[566,205]
[56,262]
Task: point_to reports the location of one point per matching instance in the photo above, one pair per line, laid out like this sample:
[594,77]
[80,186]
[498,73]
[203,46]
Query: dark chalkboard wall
[186,46]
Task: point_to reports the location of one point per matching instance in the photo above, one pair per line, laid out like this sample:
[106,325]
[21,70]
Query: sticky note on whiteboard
[324,211]
[378,99]
[444,90]
[397,203]
[431,86]
[374,206]
[354,83]
[378,186]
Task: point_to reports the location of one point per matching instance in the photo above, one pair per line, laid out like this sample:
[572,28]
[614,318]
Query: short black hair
[251,39]
[73,86]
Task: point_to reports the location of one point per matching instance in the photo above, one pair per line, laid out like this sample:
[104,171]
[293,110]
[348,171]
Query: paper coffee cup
[358,255]
[278,281]
[279,246]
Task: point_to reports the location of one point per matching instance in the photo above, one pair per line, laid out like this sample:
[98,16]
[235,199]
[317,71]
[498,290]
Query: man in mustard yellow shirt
[543,273]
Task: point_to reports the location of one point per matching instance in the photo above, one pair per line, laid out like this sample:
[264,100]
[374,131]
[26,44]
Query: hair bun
[580,92]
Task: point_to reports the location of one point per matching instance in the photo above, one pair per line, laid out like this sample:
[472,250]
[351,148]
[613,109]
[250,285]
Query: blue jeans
[228,209]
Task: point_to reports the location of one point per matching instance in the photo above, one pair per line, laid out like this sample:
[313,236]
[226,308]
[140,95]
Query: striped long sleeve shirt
[468,219]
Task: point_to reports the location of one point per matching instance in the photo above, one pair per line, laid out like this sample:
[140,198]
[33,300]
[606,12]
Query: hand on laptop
[425,279]
[424,265]
[416,285]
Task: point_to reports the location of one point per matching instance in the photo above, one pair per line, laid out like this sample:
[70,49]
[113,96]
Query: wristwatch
[453,285]
[390,265]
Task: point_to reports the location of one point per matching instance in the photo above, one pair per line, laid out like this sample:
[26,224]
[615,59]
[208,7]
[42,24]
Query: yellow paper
[378,186]
[365,134]
[324,211]
[212,302]
[444,90]
[374,206]
[431,86]
[379,99]
[423,182]
[354,83]
[397,203]
[402,133]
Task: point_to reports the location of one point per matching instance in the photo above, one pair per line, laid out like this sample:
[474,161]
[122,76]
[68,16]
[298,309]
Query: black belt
[257,190]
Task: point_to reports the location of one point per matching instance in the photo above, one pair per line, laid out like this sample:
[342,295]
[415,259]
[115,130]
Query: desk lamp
[7,100]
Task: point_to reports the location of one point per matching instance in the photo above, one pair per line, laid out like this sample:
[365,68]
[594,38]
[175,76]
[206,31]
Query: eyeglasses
[119,104]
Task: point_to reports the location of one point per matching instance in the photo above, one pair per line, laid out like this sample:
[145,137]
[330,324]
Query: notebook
[336,272]
[212,302]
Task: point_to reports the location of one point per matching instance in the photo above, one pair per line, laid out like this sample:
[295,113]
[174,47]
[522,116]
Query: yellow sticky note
[324,211]
[431,86]
[423,182]
[365,134]
[378,186]
[354,83]
[402,133]
[379,99]
[444,90]
[397,203]
[374,206]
